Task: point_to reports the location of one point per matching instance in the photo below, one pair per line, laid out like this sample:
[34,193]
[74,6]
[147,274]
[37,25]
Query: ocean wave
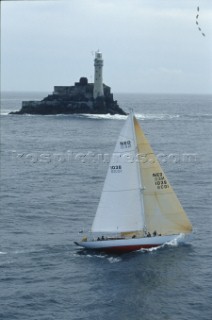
[178,240]
[139,116]
[155,116]
[104,116]
[173,243]
[3,113]
[86,254]
[114,259]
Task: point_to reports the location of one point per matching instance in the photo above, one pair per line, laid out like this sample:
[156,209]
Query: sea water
[52,173]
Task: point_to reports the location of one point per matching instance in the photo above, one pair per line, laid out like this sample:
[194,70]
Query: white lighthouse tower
[98,85]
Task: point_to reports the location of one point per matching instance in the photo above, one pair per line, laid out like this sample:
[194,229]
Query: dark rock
[72,100]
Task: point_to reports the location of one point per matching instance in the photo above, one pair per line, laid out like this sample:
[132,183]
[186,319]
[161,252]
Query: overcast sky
[148,46]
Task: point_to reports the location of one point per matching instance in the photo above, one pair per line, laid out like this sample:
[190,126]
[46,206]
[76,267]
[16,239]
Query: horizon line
[117,92]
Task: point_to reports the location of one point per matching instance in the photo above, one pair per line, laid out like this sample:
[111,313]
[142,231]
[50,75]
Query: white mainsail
[120,208]
[137,197]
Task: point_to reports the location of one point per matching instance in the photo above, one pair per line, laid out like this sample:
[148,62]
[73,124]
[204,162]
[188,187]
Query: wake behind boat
[138,208]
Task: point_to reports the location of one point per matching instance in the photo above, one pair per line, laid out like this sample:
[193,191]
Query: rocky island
[83,97]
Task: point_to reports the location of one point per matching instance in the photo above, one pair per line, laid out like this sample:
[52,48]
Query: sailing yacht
[138,208]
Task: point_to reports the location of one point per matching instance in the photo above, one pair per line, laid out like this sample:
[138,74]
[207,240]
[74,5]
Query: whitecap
[104,116]
[173,243]
[139,116]
[99,256]
[4,113]
[114,260]
[156,116]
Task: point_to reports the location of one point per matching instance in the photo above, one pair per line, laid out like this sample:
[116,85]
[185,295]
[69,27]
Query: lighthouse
[98,85]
